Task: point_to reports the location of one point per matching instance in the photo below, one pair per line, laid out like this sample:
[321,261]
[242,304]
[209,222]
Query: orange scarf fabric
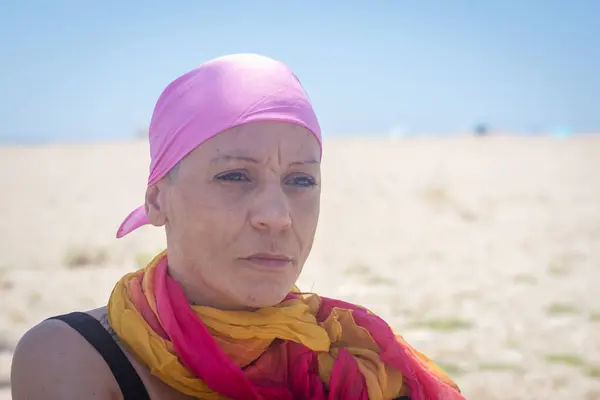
[306,347]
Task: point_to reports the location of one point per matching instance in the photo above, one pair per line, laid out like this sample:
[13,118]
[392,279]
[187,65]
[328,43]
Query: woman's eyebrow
[227,157]
[231,157]
[305,162]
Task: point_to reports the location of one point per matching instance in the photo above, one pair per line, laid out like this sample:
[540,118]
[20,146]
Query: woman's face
[241,213]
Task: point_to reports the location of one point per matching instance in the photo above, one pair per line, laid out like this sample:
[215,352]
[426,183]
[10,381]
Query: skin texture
[252,189]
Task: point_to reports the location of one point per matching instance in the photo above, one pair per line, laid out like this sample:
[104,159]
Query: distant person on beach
[235,182]
[481,130]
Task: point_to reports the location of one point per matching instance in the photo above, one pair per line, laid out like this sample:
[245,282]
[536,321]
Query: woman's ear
[155,205]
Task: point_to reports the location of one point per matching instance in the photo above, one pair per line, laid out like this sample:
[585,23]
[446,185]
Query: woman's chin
[258,290]
[264,298]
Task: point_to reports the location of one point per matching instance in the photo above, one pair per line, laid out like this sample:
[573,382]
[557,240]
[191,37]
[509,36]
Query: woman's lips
[269,260]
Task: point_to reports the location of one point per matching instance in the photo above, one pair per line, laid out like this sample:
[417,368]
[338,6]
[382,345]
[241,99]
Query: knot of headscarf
[306,347]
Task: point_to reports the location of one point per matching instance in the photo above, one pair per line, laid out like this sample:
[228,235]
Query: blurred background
[461,196]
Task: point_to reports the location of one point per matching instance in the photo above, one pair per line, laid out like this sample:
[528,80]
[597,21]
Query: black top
[129,381]
[92,330]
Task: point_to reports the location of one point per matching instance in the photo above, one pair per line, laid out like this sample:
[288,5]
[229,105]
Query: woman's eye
[233,176]
[301,181]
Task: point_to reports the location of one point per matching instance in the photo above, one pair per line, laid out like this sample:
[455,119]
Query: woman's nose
[271,210]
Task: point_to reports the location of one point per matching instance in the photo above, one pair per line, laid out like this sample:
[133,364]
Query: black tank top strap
[125,374]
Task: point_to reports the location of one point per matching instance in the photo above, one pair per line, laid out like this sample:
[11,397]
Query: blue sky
[82,70]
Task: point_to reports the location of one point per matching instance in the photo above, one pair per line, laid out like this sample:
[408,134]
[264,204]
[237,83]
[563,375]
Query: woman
[235,182]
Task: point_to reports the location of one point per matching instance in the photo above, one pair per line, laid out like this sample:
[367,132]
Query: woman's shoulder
[52,360]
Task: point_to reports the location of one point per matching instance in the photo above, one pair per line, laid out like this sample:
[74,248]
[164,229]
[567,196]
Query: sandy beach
[484,253]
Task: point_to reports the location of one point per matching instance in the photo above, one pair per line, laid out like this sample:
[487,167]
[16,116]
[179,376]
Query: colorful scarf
[306,347]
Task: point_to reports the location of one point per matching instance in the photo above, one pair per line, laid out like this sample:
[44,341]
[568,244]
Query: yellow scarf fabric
[254,340]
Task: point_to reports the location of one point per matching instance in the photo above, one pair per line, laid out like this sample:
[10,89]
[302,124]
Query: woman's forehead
[260,140]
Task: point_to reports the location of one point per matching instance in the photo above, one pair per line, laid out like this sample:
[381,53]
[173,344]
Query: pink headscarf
[220,94]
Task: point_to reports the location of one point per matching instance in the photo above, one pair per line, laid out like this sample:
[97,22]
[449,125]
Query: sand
[484,253]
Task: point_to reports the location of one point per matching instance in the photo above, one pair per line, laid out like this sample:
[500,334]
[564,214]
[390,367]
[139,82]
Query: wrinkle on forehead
[271,142]
[279,152]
